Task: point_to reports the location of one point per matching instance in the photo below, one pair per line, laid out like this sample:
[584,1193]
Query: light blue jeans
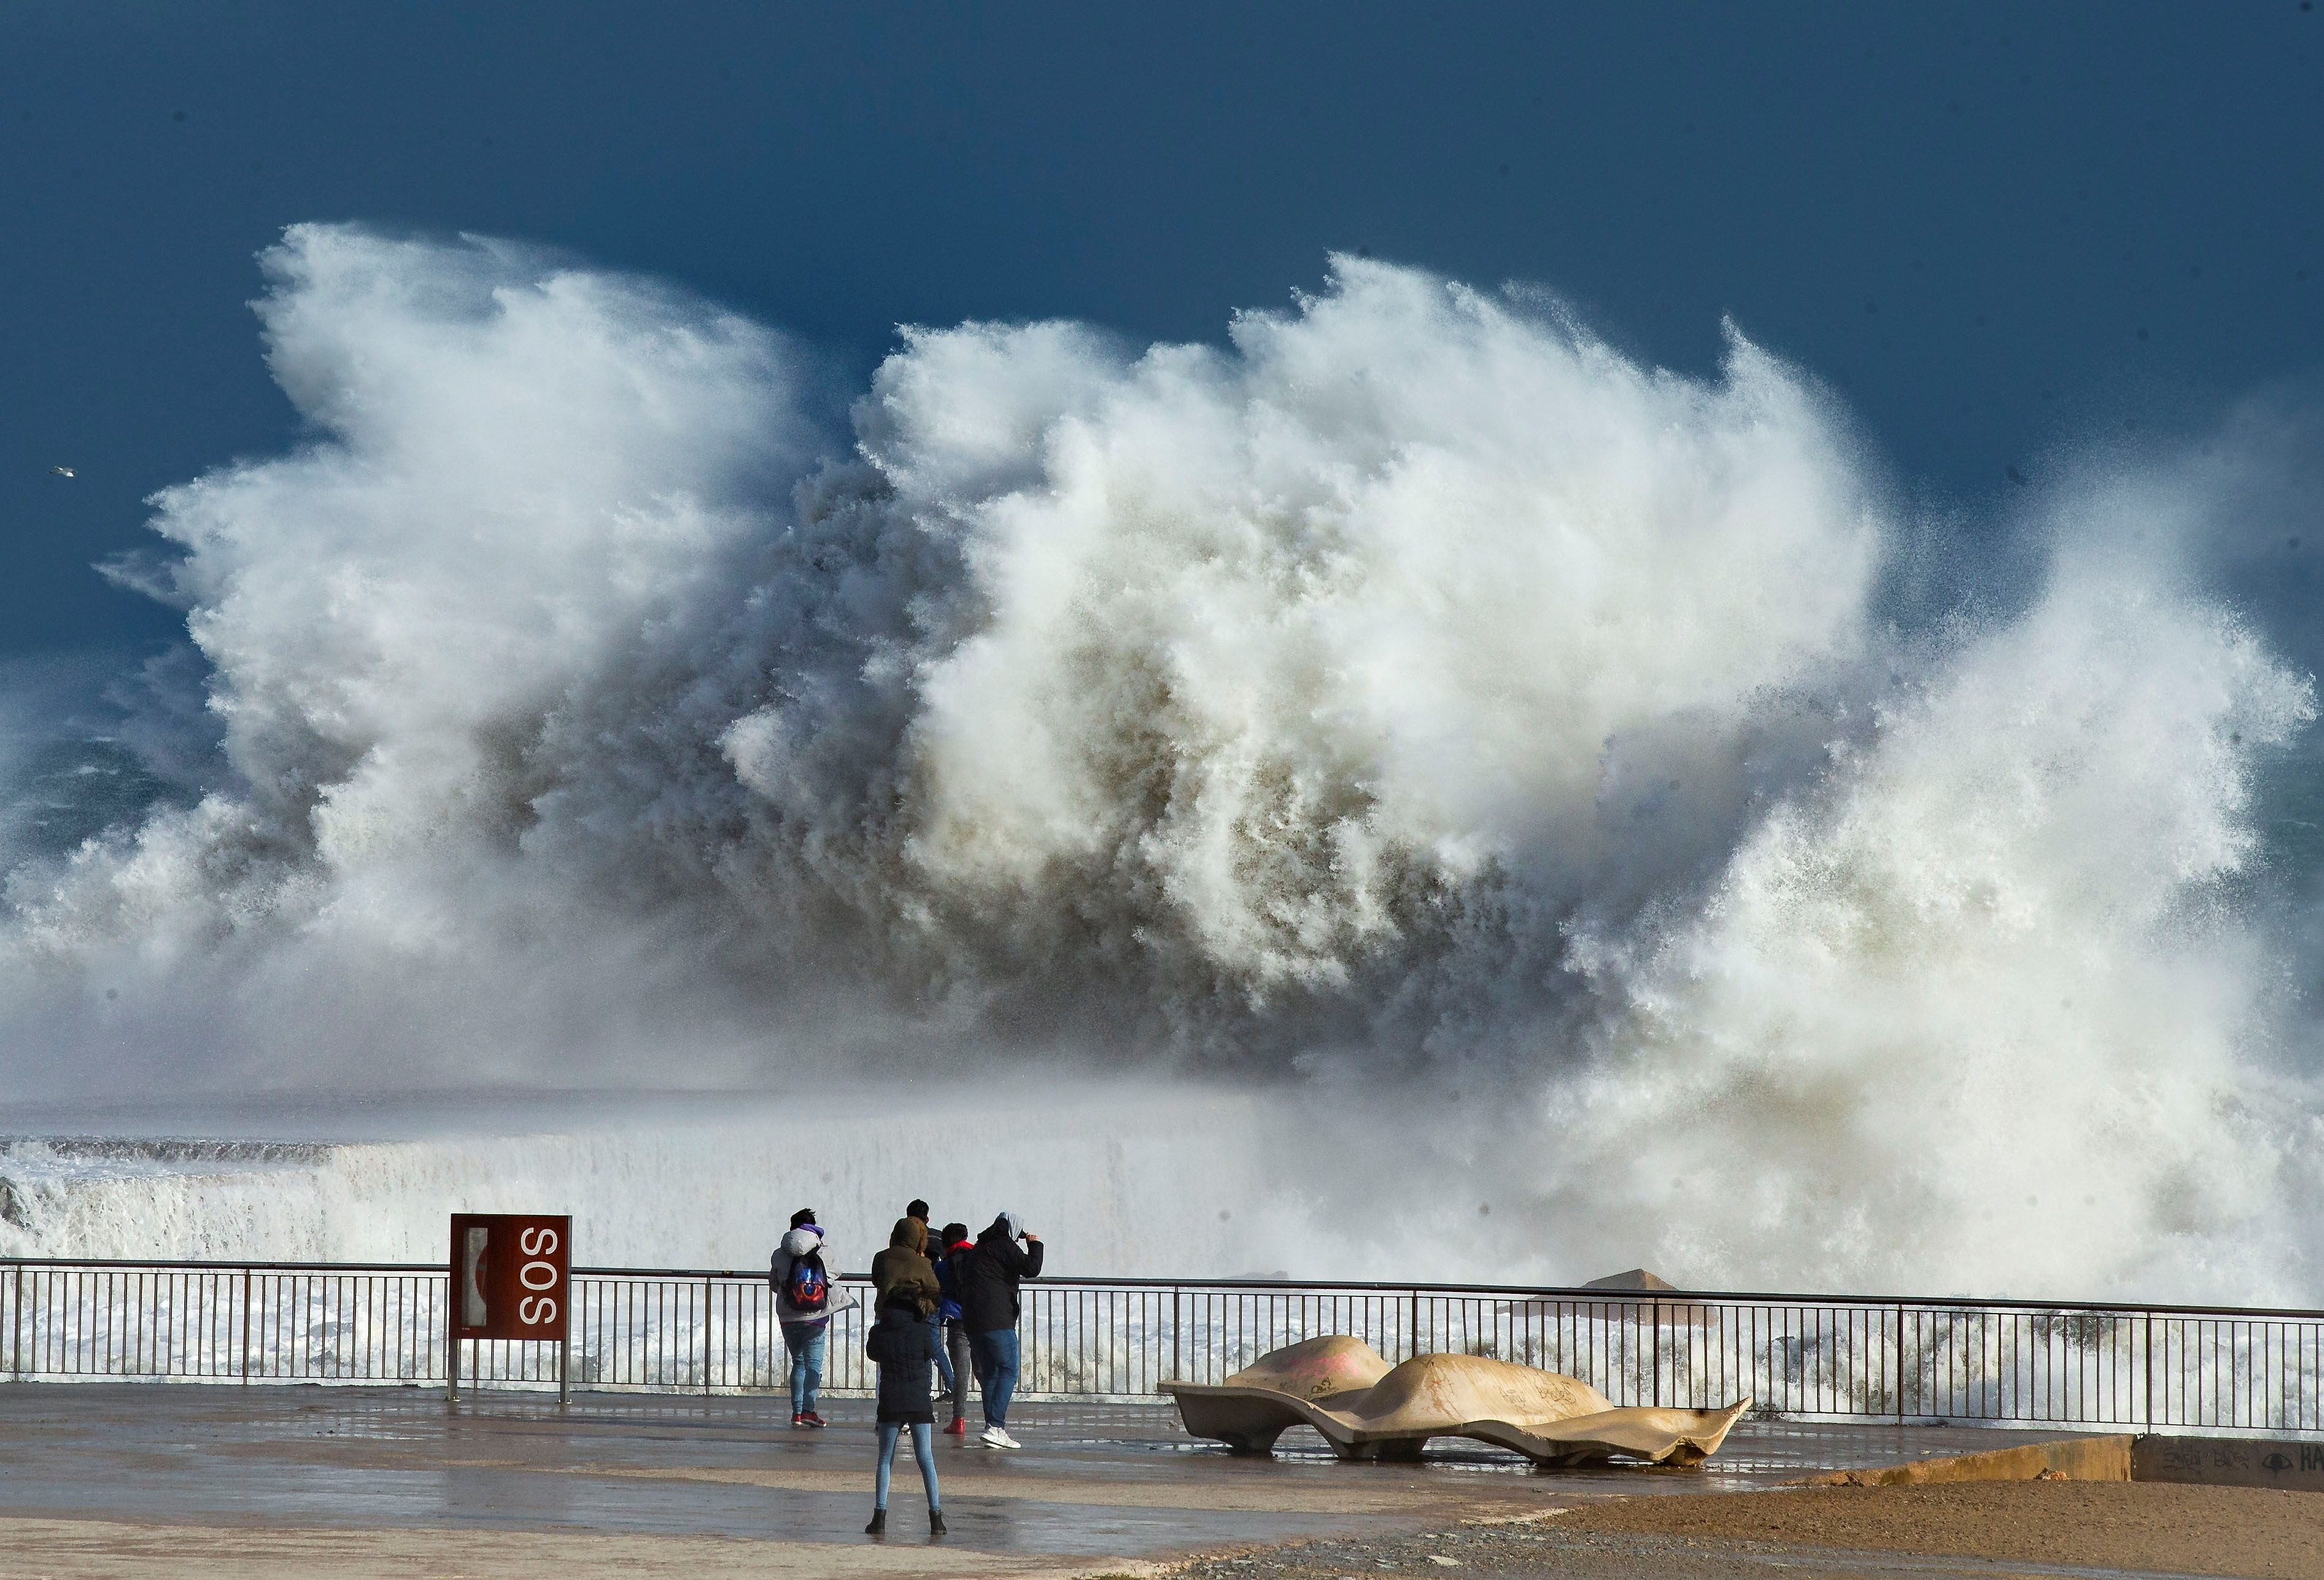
[996,1371]
[923,1450]
[805,1342]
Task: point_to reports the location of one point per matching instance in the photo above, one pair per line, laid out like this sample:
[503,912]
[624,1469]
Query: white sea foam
[690,1184]
[1413,703]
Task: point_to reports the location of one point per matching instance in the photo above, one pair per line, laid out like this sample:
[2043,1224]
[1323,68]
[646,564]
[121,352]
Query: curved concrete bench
[1366,1409]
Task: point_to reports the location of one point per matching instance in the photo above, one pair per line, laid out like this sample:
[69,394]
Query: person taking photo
[988,1277]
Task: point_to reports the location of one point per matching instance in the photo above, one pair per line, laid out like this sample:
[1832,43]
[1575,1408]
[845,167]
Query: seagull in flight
[62,471]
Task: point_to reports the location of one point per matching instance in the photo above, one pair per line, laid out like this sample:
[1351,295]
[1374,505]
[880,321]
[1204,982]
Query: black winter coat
[987,1275]
[900,1343]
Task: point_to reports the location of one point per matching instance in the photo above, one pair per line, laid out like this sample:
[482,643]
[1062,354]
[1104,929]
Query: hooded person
[898,1345]
[933,1249]
[805,1300]
[987,1278]
[903,1272]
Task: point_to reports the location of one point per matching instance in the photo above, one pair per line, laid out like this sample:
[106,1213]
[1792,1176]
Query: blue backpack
[808,1287]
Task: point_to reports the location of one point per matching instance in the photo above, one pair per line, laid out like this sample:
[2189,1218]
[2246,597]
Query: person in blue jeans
[987,1276]
[805,1300]
[994,1353]
[899,1343]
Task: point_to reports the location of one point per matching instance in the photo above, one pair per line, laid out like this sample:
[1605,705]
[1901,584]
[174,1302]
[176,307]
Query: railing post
[246,1324]
[705,1337]
[1654,1348]
[1178,1329]
[16,1329]
[1412,1328]
[2149,1346]
[1899,1378]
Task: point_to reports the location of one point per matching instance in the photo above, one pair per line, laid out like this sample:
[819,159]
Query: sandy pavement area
[1983,1528]
[96,1549]
[2121,1525]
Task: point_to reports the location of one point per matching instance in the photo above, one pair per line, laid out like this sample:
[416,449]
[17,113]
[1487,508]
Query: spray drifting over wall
[1415,700]
[688,1183]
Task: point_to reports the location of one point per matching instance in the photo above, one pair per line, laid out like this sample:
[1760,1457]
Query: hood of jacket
[910,1234]
[806,1237]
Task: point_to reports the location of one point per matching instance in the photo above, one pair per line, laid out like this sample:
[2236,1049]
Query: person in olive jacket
[986,1276]
[899,1342]
[903,1270]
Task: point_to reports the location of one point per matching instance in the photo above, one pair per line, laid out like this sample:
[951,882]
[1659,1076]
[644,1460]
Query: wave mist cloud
[1413,705]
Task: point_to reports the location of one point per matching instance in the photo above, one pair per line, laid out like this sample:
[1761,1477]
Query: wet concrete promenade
[122,1479]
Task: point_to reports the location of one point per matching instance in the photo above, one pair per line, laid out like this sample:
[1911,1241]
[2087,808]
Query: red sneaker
[811,1420]
[959,1428]
[798,1421]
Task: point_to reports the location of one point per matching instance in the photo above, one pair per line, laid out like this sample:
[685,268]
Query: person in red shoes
[953,1243]
[805,1300]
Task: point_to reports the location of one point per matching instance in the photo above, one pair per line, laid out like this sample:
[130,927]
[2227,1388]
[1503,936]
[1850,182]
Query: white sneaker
[996,1438]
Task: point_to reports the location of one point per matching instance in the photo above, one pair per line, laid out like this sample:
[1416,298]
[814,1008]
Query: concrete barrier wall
[2231,1462]
[2103,1458]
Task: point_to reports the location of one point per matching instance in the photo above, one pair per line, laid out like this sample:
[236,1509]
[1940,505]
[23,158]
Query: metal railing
[2142,1368]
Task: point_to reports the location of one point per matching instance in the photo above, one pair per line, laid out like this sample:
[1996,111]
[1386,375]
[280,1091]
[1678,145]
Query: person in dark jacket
[988,1277]
[952,1350]
[899,1344]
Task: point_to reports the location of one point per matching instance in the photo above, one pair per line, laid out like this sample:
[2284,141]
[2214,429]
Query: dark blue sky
[1993,229]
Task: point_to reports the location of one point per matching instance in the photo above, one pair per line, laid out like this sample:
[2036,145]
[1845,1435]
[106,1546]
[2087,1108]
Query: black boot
[936,1522]
[879,1525]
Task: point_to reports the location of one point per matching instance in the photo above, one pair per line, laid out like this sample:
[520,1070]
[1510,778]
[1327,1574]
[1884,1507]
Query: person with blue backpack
[805,1304]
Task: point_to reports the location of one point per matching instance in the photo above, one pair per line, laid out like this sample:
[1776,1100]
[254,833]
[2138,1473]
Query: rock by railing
[2143,1368]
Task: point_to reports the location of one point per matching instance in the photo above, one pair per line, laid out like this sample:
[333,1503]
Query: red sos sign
[512,1275]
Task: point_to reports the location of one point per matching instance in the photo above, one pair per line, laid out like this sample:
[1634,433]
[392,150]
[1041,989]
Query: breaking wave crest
[1413,703]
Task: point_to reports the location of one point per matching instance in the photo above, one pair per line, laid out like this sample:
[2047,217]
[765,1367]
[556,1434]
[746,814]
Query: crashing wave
[1413,699]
